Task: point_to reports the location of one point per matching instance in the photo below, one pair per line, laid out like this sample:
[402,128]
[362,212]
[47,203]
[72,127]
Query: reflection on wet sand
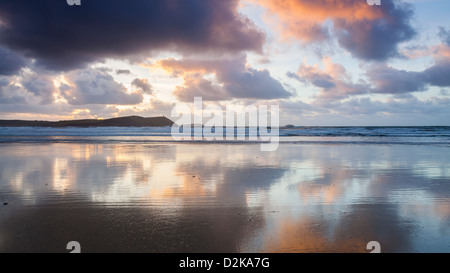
[224,198]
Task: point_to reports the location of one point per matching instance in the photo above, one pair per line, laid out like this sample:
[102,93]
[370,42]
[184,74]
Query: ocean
[299,135]
[324,189]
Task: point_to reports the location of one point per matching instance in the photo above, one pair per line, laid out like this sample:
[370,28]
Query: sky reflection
[224,197]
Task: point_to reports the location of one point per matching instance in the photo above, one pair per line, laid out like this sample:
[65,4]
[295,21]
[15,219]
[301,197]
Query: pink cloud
[231,78]
[367,32]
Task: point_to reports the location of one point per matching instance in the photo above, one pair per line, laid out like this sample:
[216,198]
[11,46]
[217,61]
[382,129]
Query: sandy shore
[224,198]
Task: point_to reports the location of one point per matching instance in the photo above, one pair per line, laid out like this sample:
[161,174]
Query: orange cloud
[180,68]
[368,32]
[298,18]
[441,52]
[333,81]
[232,78]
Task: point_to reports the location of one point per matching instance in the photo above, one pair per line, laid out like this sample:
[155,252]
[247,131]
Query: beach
[225,127]
[174,197]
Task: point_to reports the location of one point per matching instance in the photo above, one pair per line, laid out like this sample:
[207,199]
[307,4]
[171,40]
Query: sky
[323,62]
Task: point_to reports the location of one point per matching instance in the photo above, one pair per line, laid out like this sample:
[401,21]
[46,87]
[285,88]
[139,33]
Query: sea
[337,135]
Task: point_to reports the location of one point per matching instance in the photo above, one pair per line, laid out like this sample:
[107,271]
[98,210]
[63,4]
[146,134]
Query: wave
[380,135]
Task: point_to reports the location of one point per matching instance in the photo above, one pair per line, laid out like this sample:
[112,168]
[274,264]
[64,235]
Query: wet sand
[203,198]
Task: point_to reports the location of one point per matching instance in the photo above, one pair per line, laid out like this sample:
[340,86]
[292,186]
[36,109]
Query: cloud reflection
[231,198]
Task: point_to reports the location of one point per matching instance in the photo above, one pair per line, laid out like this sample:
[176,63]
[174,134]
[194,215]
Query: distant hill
[132,121]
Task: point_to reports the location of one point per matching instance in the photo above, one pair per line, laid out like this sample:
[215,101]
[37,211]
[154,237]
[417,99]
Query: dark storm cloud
[377,39]
[63,37]
[10,62]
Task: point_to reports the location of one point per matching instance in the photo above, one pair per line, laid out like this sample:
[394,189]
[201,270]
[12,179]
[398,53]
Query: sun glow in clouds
[374,64]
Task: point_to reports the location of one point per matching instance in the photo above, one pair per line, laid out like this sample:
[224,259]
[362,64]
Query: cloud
[315,76]
[143,85]
[444,34]
[440,52]
[233,79]
[367,32]
[199,87]
[34,89]
[15,98]
[378,39]
[369,111]
[92,86]
[88,93]
[388,80]
[8,95]
[409,106]
[362,111]
[333,81]
[30,88]
[61,37]
[438,74]
[41,86]
[10,62]
[94,111]
[296,108]
[253,84]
